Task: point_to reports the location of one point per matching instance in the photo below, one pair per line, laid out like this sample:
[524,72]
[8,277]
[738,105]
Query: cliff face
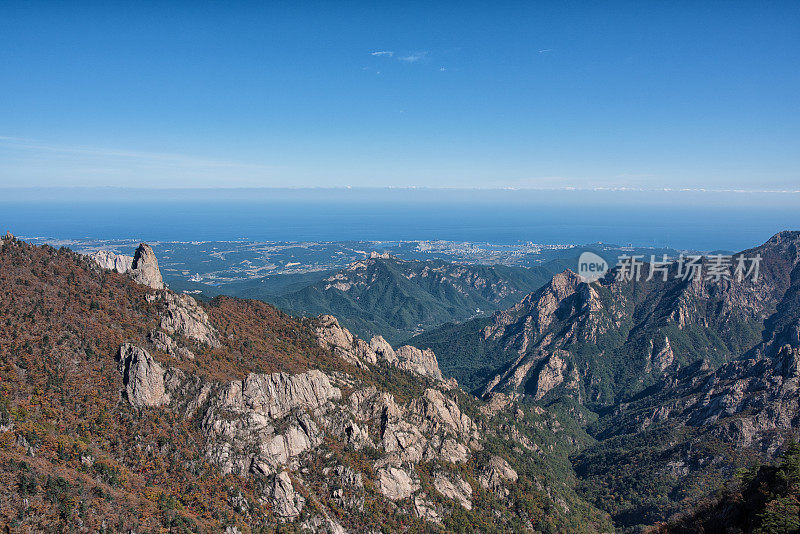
[142,266]
[113,262]
[129,406]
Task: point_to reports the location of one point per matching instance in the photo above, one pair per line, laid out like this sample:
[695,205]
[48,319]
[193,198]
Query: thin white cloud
[143,157]
[442,69]
[413,57]
[545,50]
[387,53]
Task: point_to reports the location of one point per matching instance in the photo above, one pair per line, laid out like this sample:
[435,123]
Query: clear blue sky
[540,94]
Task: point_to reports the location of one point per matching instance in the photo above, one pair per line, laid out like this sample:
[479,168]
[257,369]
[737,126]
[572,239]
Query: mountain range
[679,381]
[621,404]
[399,298]
[127,407]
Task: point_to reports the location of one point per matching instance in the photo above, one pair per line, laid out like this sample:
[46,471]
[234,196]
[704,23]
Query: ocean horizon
[700,221]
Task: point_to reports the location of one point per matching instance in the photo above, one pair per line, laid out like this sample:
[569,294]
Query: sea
[698,221]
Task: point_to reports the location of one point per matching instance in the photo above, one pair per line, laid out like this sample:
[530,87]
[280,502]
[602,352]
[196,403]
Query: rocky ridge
[139,409]
[333,336]
[268,427]
[700,374]
[383,295]
[142,266]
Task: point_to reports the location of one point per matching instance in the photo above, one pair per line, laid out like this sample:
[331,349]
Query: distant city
[215,263]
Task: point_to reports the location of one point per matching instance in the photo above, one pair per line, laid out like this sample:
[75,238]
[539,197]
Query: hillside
[125,406]
[398,298]
[681,381]
[764,499]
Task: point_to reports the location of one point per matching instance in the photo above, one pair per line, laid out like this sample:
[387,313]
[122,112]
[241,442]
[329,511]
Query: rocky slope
[683,380]
[128,407]
[764,499]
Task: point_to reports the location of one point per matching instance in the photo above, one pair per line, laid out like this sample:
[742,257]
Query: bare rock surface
[331,335]
[144,268]
[396,484]
[417,361]
[427,509]
[454,487]
[242,422]
[182,315]
[496,474]
[112,261]
[142,376]
[286,502]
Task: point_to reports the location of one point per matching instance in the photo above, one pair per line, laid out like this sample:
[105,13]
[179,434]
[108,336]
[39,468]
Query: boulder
[396,484]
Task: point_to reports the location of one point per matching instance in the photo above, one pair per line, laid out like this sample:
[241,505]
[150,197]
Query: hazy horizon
[679,219]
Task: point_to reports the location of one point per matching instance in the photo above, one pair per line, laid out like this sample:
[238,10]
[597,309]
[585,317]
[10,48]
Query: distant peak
[374,255]
[786,236]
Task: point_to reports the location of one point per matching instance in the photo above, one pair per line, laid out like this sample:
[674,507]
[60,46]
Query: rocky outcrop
[659,359]
[144,268]
[454,487]
[396,484]
[142,376]
[420,362]
[346,487]
[286,502]
[331,335]
[163,342]
[182,315]
[439,414]
[426,509]
[242,422]
[554,372]
[497,475]
[383,350]
[112,261]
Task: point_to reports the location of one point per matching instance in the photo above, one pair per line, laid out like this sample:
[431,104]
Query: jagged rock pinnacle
[145,267]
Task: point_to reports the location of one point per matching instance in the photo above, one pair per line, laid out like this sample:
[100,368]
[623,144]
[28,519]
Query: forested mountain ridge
[394,298]
[763,499]
[129,407]
[683,380]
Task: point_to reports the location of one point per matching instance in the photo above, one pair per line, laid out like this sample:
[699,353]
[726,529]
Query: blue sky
[646,95]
